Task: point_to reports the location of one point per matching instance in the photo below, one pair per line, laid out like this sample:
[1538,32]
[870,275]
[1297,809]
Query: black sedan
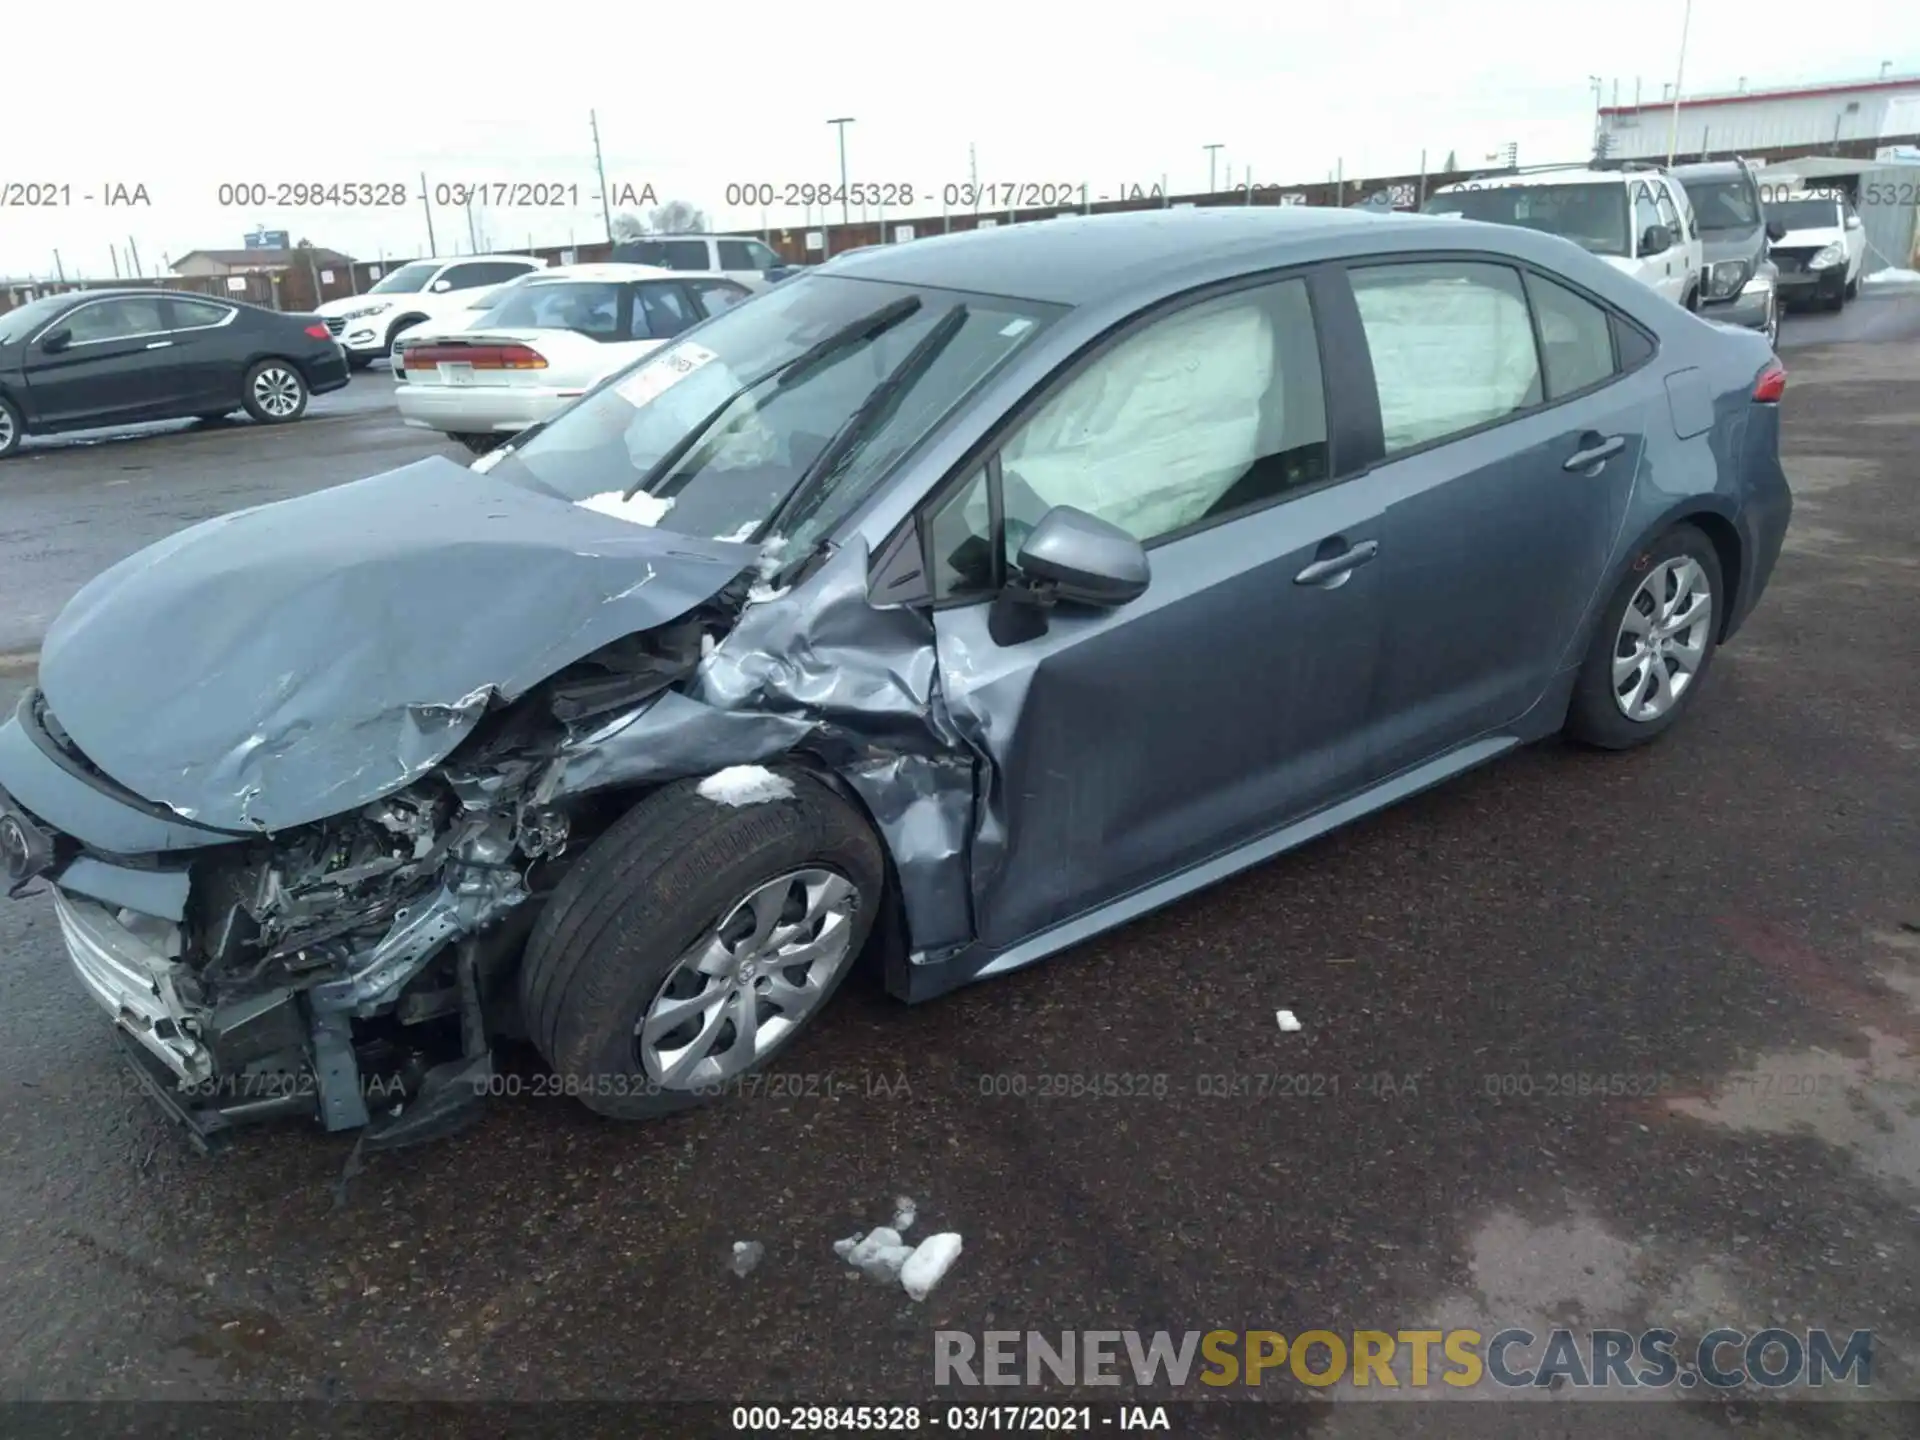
[92,358]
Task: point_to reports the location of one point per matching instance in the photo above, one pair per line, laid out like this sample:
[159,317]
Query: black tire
[480,444]
[357,363]
[270,385]
[396,330]
[1594,717]
[642,894]
[213,417]
[13,427]
[1852,290]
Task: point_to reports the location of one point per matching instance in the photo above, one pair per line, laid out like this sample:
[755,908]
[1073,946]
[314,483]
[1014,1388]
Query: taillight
[318,332]
[1771,385]
[480,357]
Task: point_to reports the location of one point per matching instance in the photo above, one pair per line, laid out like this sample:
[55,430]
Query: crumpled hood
[286,663]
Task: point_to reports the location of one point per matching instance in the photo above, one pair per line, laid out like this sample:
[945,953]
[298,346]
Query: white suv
[1636,218]
[367,325]
[751,263]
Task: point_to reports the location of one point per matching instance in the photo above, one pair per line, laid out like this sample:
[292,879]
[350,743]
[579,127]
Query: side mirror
[54,341]
[440,287]
[1853,222]
[1069,556]
[1776,232]
[1657,240]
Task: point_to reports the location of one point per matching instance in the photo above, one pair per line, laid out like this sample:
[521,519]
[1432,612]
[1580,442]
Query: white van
[1637,218]
[1823,253]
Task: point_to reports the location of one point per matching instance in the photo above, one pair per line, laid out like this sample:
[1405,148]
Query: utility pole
[426,203]
[473,235]
[133,253]
[600,166]
[1213,155]
[1679,74]
[59,269]
[1599,92]
[113,253]
[842,123]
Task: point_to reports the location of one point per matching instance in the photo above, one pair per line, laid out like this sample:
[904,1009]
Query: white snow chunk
[1893,276]
[904,1212]
[746,1255]
[762,594]
[929,1263]
[845,1248]
[747,785]
[708,645]
[642,509]
[742,535]
[773,550]
[1286,1019]
[880,1255]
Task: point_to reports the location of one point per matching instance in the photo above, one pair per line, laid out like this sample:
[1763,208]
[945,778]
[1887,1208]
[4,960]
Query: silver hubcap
[6,429]
[277,392]
[749,982]
[1662,639]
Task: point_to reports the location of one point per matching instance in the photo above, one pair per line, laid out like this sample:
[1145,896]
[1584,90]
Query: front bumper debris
[135,981]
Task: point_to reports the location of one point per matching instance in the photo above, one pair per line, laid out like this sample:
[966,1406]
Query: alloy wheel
[1662,639]
[749,982]
[277,391]
[6,429]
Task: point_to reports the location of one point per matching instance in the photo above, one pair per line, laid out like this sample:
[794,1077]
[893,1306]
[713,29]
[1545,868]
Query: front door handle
[1322,571]
[1595,451]
[158,344]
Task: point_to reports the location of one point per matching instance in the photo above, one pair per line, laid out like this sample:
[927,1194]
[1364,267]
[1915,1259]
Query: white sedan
[549,339]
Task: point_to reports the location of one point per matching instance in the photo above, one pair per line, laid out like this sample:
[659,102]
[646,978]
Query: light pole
[1598,90]
[843,122]
[1679,74]
[1213,156]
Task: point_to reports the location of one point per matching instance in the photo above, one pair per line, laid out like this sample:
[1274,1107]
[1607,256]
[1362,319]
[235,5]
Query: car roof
[1577,175]
[602,270]
[1079,258]
[1713,169]
[445,260]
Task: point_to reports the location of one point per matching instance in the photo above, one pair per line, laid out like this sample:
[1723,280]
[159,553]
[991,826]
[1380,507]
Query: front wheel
[694,940]
[1657,636]
[275,393]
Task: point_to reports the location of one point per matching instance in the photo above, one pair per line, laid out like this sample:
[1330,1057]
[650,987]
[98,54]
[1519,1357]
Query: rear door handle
[1594,454]
[1324,570]
[158,344]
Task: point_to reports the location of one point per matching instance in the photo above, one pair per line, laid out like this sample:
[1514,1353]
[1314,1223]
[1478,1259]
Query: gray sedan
[948,605]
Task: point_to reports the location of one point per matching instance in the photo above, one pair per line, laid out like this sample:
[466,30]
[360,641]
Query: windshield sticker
[649,382]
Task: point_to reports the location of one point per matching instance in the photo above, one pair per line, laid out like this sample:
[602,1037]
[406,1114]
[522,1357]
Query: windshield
[589,306]
[407,279]
[23,320]
[729,485]
[1723,204]
[1816,214]
[1592,215]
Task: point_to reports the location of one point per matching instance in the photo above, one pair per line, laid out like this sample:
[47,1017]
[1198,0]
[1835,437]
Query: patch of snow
[708,645]
[1286,1019]
[844,1248]
[904,1212]
[642,509]
[1893,276]
[929,1263]
[742,535]
[745,785]
[880,1255]
[772,552]
[746,1255]
[487,461]
[762,594]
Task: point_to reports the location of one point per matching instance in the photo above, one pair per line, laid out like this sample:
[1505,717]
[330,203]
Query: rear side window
[675,254]
[737,255]
[196,314]
[1452,347]
[1576,340]
[660,311]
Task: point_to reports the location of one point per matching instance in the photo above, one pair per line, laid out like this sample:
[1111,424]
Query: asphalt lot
[1735,912]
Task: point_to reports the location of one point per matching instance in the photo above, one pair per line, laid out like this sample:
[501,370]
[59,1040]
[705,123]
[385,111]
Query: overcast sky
[690,98]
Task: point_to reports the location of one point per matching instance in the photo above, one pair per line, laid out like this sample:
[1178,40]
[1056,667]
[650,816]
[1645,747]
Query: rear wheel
[480,444]
[695,939]
[13,428]
[275,392]
[1656,639]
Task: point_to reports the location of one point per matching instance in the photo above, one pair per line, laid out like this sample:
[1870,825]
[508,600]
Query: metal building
[1883,109]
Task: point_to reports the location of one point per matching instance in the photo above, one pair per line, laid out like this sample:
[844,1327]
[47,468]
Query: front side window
[1646,214]
[718,295]
[753,470]
[591,307]
[116,319]
[737,255]
[1191,418]
[1576,338]
[1724,205]
[761,257]
[409,279]
[660,312]
[1452,347]
[1591,214]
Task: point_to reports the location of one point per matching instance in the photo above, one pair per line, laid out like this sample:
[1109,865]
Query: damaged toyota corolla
[830,630]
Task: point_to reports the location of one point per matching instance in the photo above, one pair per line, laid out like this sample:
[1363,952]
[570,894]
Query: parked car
[544,343]
[1822,249]
[947,606]
[92,358]
[419,292]
[1637,218]
[465,318]
[1742,282]
[750,262]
